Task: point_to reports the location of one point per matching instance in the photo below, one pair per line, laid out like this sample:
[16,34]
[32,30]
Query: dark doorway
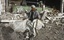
[50,3]
[54,3]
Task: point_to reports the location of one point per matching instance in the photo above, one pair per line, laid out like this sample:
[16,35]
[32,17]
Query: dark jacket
[33,15]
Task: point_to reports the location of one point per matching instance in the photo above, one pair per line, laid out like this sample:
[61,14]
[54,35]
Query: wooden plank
[8,20]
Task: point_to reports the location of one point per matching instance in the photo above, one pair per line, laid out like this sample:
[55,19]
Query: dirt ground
[50,32]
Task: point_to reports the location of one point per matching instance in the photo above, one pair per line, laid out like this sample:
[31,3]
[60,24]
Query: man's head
[33,8]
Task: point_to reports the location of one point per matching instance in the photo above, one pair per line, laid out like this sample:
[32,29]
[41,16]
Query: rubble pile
[50,32]
[9,16]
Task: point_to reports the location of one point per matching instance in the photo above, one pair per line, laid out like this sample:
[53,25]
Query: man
[33,14]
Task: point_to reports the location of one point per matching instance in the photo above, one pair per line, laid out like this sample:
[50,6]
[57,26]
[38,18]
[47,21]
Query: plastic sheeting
[38,24]
[20,26]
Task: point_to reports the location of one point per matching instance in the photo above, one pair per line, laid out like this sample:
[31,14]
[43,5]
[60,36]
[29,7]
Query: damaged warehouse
[32,20]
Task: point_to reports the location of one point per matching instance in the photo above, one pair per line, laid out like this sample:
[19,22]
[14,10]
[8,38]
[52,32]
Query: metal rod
[62,6]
